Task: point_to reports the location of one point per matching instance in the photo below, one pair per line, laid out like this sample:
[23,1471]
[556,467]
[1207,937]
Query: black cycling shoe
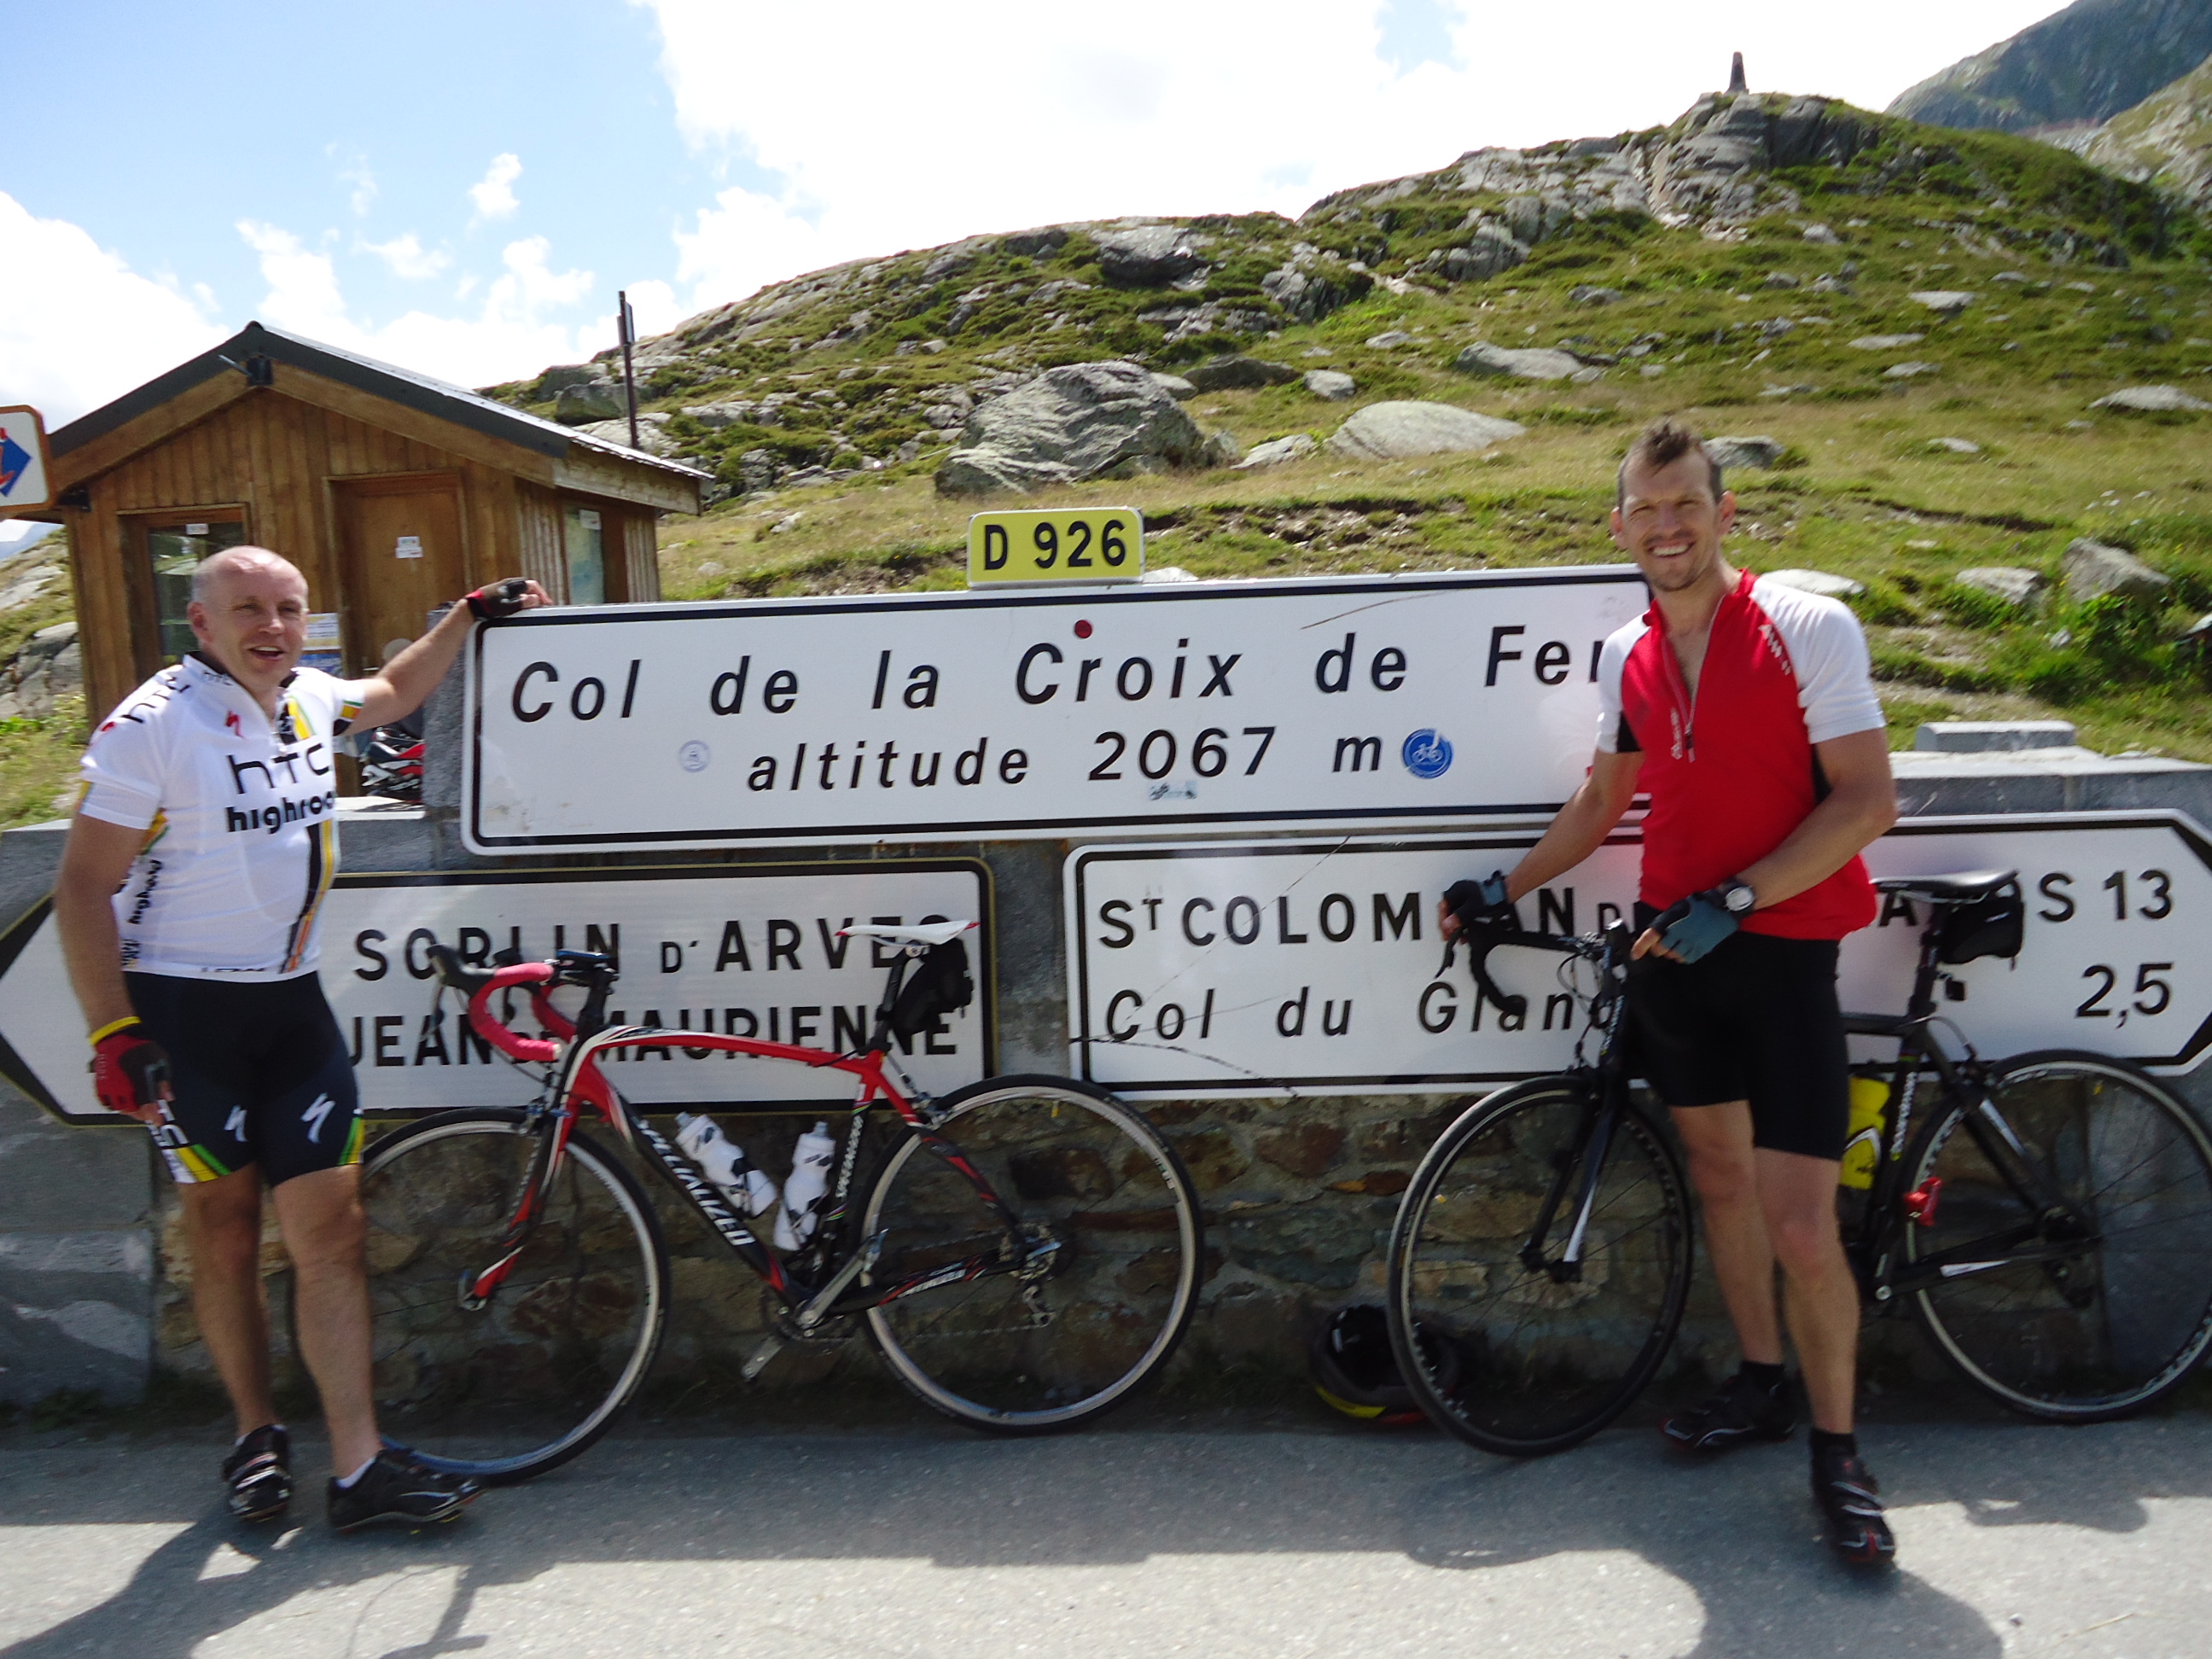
[259,1473]
[1847,1496]
[1739,1410]
[397,1488]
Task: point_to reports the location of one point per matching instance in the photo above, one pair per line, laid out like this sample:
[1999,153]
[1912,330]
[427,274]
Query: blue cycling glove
[1691,927]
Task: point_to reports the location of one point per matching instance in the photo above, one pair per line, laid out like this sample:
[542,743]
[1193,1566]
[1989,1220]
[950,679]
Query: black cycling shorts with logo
[1757,1019]
[260,1072]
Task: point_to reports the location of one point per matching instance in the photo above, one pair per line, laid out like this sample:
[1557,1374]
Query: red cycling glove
[496,599]
[129,1070]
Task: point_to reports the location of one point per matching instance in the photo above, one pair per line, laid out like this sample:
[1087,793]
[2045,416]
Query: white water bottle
[723,1162]
[810,1179]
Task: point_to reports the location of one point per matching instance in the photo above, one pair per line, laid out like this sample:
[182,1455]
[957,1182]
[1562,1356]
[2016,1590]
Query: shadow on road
[1740,1535]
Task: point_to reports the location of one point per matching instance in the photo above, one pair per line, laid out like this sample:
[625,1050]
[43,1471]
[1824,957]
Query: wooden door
[401,541]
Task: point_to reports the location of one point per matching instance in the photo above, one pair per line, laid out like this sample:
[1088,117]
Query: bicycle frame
[578,1084]
[1875,1245]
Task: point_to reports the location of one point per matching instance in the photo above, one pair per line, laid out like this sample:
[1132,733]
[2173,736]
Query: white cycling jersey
[240,814]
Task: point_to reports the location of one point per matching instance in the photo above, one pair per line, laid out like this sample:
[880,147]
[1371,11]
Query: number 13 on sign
[1097,545]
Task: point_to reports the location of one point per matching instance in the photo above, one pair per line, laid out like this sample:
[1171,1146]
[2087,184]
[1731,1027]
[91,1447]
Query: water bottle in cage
[723,1162]
[802,1193]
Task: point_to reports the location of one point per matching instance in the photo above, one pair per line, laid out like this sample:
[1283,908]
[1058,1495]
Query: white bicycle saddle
[922,932]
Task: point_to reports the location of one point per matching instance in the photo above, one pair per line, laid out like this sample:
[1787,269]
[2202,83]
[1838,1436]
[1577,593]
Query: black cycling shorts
[260,1073]
[1757,1019]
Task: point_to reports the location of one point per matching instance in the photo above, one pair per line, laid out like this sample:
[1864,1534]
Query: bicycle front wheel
[2074,1323]
[1549,1352]
[528,1379]
[1105,1212]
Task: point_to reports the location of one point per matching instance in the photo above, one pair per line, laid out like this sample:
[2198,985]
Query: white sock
[347,1480]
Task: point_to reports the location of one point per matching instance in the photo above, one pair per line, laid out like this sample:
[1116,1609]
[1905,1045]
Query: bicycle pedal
[757,1363]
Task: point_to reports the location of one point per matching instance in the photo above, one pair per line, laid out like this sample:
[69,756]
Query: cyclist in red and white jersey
[189,901]
[1745,710]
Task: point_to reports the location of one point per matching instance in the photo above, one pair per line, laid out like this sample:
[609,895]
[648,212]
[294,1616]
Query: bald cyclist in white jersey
[189,902]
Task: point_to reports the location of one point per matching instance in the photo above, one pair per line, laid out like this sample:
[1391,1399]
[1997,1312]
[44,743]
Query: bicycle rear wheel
[1547,1358]
[1027,1353]
[538,1372]
[2095,1330]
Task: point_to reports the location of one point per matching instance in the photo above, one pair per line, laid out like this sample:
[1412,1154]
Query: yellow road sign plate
[1095,544]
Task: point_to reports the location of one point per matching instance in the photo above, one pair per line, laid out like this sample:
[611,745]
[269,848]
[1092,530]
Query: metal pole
[627,325]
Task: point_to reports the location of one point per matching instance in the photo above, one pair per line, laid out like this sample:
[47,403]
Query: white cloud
[655,306]
[1035,115]
[492,194]
[510,336]
[77,325]
[407,258]
[358,174]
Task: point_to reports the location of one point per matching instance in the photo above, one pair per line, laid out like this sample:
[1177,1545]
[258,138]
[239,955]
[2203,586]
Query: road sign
[1015,716]
[22,460]
[754,953]
[1306,966]
[1094,545]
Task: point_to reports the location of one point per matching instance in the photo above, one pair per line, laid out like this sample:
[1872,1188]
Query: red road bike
[1023,1252]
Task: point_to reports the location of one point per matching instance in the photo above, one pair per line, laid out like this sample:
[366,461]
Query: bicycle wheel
[538,1372]
[2093,1331]
[1022,1353]
[1546,1359]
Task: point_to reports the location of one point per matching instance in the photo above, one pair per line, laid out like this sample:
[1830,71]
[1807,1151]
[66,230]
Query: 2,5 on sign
[1083,544]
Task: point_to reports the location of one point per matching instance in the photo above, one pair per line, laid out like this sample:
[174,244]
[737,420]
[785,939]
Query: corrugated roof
[401,385]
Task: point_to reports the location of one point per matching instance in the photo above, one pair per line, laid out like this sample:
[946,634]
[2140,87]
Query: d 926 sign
[1027,549]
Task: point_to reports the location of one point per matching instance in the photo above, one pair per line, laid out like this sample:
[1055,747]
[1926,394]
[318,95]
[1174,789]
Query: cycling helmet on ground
[1355,1372]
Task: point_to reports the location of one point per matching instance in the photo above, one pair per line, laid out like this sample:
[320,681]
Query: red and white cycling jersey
[240,813]
[1731,772]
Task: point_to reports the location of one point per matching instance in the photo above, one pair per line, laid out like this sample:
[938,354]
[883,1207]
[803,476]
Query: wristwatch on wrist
[1738,897]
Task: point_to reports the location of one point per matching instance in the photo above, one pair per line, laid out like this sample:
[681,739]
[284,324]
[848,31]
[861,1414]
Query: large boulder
[1148,256]
[558,379]
[1330,386]
[2153,400]
[1524,363]
[1277,450]
[2092,569]
[1079,420]
[587,401]
[1238,375]
[1758,453]
[1392,431]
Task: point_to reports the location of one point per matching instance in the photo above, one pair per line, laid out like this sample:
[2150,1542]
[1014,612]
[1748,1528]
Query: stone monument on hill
[1735,76]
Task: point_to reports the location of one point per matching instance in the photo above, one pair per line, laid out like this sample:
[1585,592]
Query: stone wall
[1299,1194]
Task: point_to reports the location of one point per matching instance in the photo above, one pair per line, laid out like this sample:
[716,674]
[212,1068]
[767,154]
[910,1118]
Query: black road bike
[2048,1218]
[1023,1252]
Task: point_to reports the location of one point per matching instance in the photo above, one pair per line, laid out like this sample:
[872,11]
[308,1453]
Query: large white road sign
[1312,966]
[754,953]
[1353,701]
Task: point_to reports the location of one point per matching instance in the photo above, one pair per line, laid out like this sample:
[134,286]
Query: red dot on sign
[1082,630]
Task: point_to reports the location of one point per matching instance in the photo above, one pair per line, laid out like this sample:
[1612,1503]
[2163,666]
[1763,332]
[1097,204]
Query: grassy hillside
[2082,284]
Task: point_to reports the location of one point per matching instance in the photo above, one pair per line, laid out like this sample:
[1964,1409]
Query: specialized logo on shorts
[313,1116]
[1427,754]
[235,1125]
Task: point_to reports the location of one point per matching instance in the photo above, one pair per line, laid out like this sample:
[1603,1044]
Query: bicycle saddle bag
[938,984]
[1992,926]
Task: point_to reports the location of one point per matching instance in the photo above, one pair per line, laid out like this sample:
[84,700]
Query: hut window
[175,550]
[587,557]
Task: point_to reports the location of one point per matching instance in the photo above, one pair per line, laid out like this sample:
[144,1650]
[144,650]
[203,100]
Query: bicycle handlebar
[1481,938]
[478,988]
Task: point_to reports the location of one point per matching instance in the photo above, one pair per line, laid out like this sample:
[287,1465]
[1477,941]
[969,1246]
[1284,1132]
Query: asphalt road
[1217,1540]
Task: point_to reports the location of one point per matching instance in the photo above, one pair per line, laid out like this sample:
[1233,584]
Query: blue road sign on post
[22,460]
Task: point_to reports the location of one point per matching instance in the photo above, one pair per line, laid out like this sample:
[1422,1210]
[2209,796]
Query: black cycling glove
[1476,903]
[496,599]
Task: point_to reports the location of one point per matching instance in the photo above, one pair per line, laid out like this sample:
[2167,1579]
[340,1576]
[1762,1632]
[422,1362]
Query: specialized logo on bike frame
[1307,966]
[1038,714]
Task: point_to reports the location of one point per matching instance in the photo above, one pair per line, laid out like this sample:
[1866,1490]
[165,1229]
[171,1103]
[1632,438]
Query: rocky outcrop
[586,401]
[1238,375]
[2088,64]
[2165,140]
[1394,431]
[1149,255]
[1076,421]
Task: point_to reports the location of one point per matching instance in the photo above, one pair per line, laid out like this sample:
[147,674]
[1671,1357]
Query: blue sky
[462,187]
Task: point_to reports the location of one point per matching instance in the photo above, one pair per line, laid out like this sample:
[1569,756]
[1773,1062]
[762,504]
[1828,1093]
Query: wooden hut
[391,491]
